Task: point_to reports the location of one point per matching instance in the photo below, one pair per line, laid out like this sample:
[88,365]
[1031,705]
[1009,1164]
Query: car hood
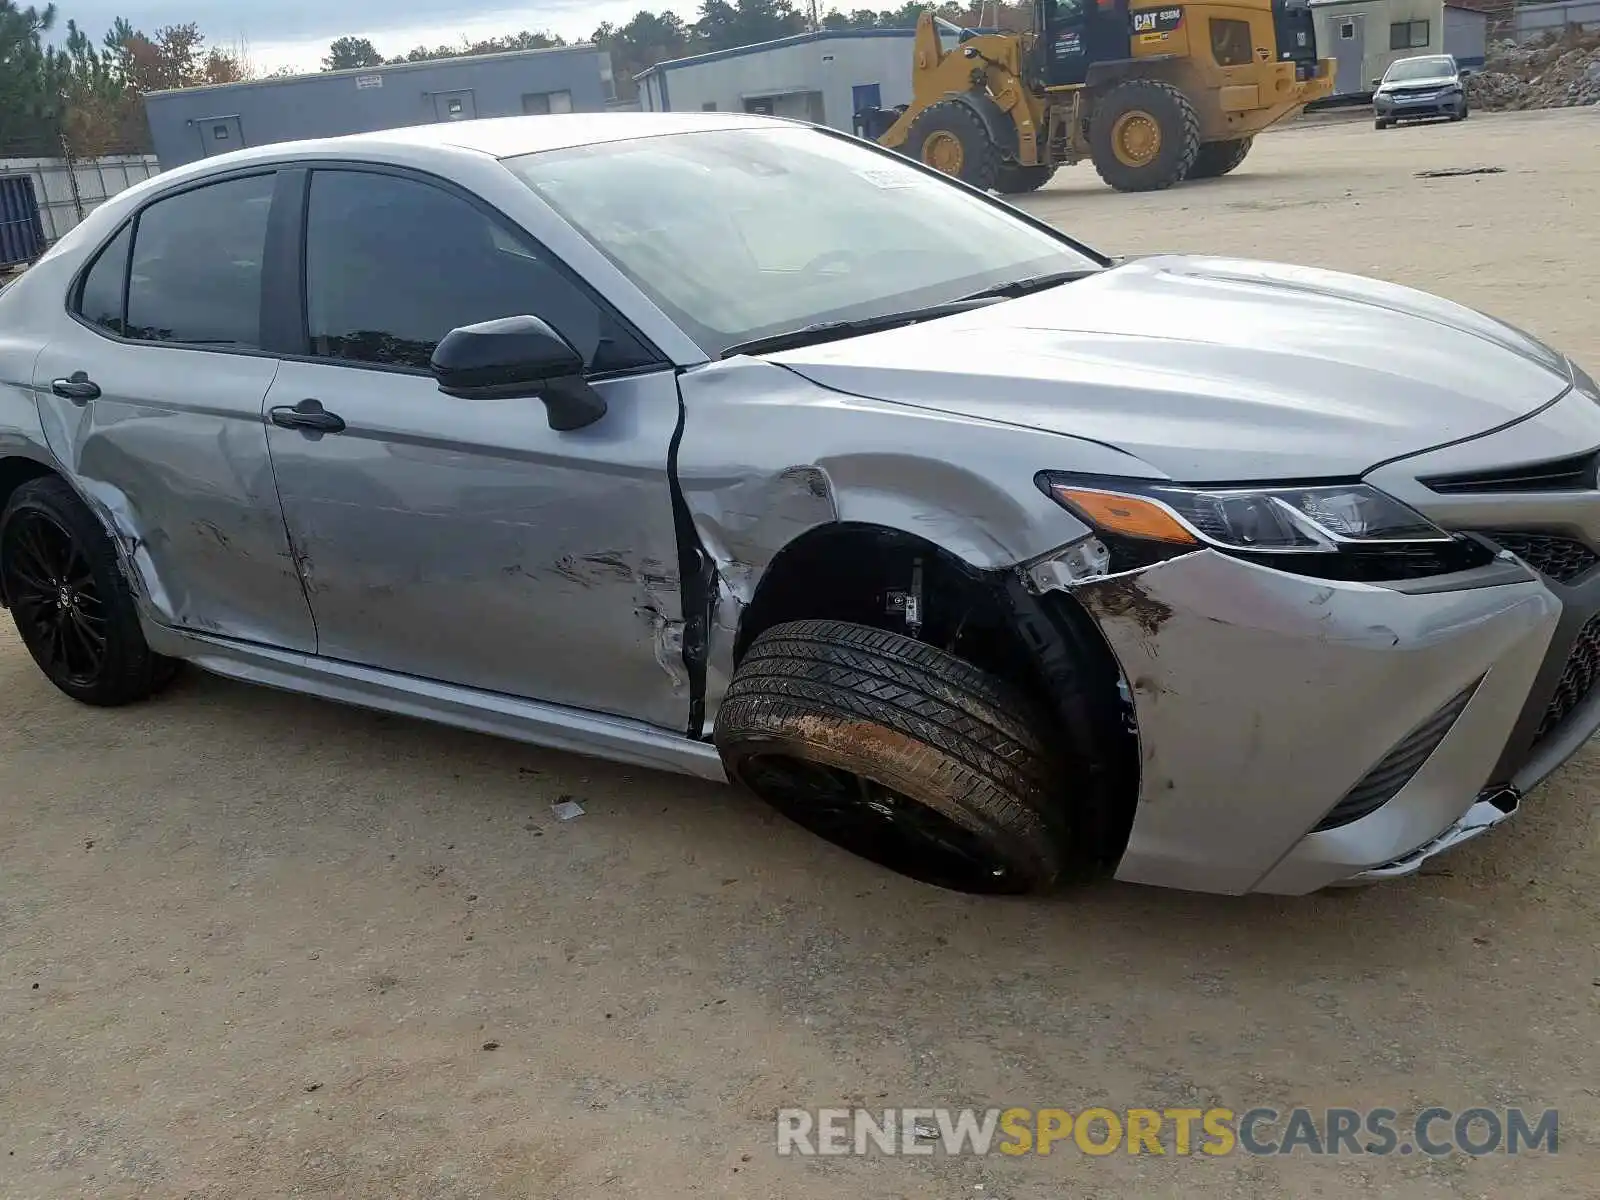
[1432,81]
[1213,369]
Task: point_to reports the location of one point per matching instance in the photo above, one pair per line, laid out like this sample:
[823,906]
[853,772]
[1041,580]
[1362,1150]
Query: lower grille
[1561,558]
[1381,784]
[1578,678]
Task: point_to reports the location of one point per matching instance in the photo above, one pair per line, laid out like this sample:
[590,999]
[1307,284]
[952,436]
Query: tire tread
[988,749]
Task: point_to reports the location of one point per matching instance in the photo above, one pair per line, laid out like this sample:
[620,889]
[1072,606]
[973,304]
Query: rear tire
[1145,136]
[1015,180]
[898,752]
[72,607]
[950,137]
[1216,159]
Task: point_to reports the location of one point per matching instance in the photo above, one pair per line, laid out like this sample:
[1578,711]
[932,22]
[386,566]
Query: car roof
[494,137]
[502,137]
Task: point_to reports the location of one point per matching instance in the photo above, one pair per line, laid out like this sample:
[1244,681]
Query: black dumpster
[21,234]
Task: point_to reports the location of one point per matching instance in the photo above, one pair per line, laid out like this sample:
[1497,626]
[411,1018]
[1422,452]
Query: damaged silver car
[736,447]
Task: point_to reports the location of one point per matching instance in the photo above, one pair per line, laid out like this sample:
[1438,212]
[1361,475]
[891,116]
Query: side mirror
[1466,72]
[518,356]
[1376,82]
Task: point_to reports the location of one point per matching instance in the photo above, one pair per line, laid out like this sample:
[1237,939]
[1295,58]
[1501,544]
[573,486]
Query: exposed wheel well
[14,472]
[1048,646]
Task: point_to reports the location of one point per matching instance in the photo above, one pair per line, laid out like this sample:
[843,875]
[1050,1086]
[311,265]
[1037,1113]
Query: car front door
[465,540]
[150,394]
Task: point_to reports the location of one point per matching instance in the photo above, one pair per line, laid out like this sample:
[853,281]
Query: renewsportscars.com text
[1167,1131]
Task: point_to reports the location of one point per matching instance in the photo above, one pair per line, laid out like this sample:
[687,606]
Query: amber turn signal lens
[1130,516]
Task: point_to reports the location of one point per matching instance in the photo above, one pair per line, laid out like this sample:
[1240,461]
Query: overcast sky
[296,33]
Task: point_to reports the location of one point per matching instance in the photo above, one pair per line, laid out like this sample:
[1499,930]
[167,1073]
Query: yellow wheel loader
[1150,94]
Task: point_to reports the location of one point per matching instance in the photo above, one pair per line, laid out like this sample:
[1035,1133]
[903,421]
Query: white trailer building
[1365,36]
[824,77]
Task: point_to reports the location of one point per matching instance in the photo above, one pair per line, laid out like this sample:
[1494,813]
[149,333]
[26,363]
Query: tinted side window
[393,264]
[196,276]
[100,298]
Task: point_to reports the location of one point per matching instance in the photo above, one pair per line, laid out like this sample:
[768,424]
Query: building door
[864,96]
[1349,52]
[454,106]
[218,135]
[760,104]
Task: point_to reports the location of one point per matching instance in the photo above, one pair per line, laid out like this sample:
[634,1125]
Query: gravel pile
[1560,72]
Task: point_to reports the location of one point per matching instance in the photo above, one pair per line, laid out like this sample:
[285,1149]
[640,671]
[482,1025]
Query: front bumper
[1442,105]
[1262,699]
[1487,811]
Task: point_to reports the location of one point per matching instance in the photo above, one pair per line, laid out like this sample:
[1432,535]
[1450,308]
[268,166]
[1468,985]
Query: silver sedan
[736,447]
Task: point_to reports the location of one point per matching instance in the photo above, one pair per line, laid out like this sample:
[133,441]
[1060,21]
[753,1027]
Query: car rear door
[150,391]
[466,541]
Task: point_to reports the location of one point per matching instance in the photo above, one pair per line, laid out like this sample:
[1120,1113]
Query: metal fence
[1530,21]
[21,236]
[70,189]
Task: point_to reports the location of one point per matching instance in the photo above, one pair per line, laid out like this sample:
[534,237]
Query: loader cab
[1072,34]
[1296,36]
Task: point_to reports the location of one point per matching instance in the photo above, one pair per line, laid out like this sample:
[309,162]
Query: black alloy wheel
[880,824]
[72,605]
[58,607]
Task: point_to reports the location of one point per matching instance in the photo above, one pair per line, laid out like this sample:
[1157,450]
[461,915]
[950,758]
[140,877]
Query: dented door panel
[767,455]
[466,541]
[173,455]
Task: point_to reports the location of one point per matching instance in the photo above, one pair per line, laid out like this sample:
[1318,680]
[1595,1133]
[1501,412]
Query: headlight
[1271,520]
[1344,530]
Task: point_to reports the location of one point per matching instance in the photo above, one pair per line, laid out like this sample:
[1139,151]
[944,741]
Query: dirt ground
[257,945]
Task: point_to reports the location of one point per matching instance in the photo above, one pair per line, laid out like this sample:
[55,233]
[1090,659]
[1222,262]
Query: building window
[1408,35]
[541,103]
[709,106]
[1347,31]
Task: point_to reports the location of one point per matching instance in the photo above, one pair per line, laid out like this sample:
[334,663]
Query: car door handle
[79,388]
[308,415]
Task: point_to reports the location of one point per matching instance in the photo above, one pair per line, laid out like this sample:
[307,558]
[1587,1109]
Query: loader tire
[899,752]
[1145,136]
[1015,180]
[1218,158]
[950,137]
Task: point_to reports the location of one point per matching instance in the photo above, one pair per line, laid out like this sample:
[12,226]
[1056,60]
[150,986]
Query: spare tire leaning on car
[899,752]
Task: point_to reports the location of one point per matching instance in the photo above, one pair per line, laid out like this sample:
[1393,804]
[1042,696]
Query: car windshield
[739,234]
[1419,68]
